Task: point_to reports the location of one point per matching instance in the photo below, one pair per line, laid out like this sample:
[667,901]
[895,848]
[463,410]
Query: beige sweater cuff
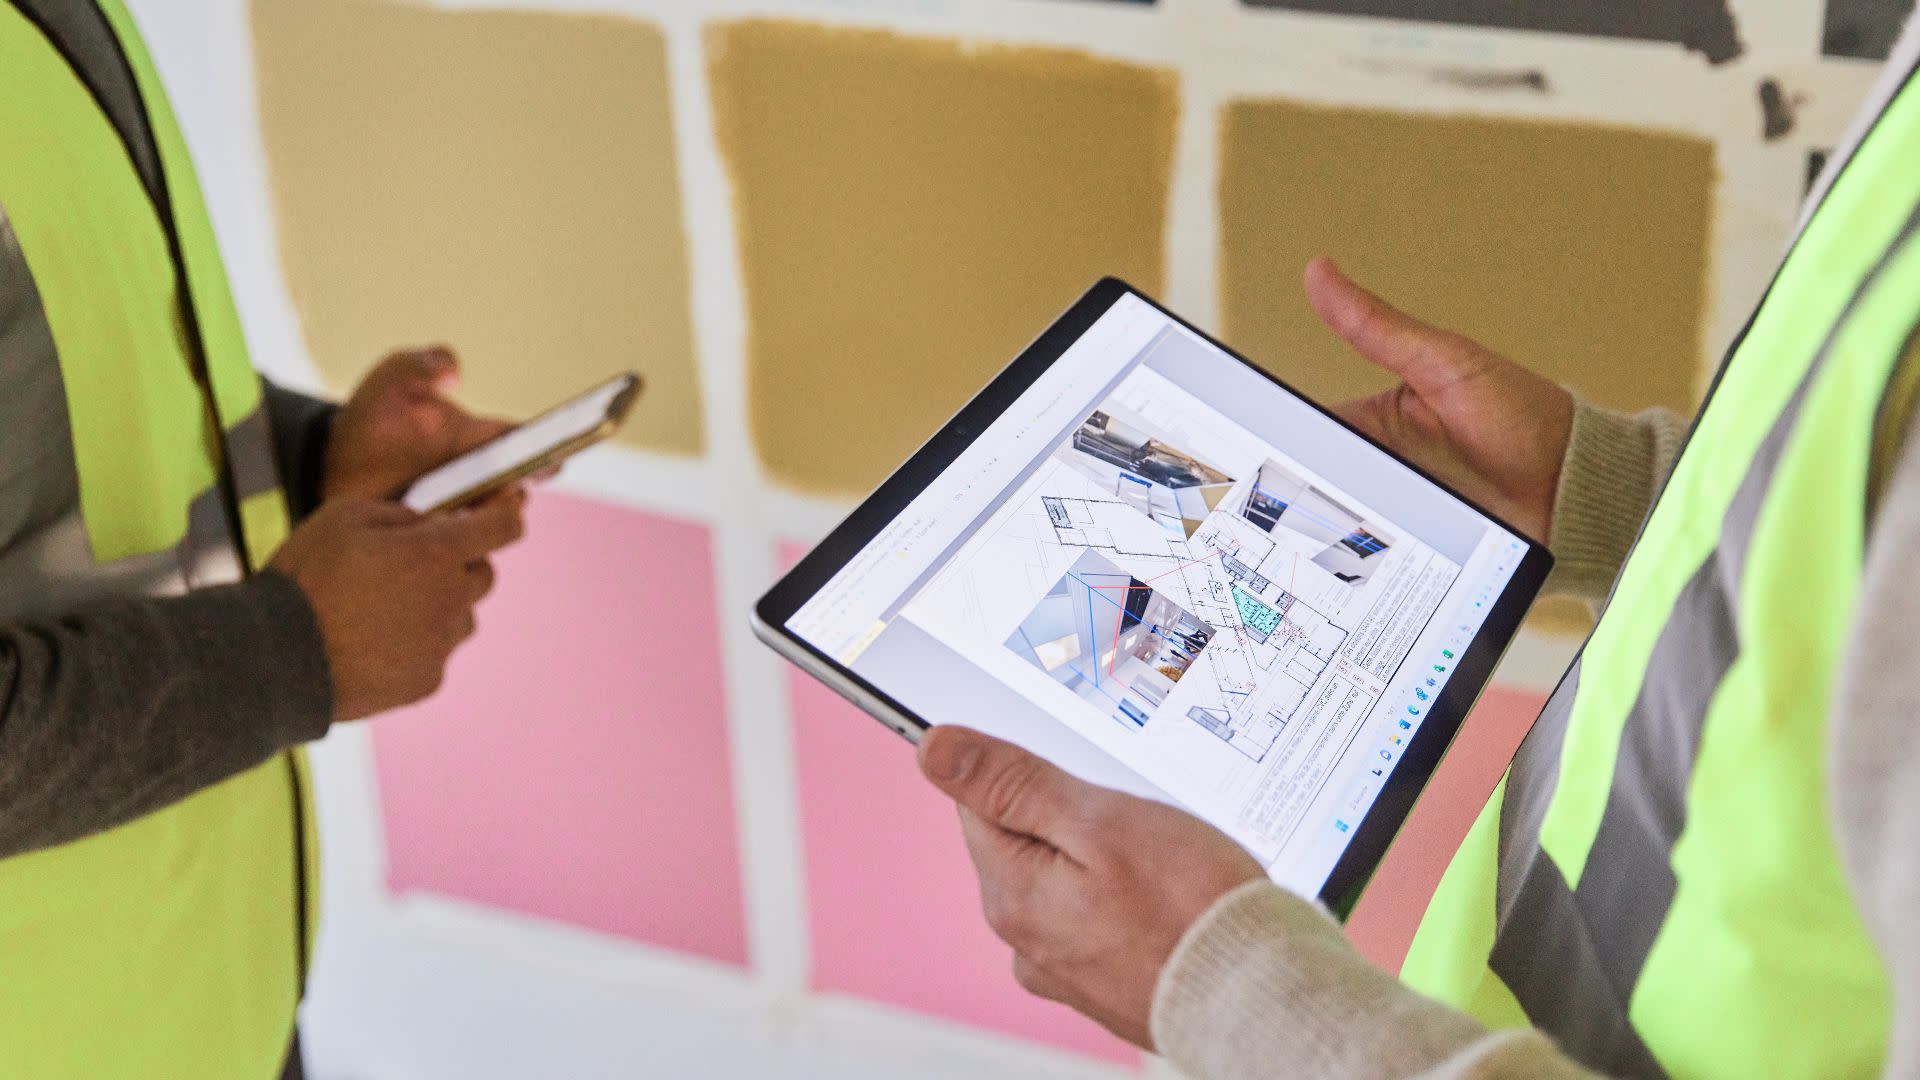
[1265,984]
[1614,466]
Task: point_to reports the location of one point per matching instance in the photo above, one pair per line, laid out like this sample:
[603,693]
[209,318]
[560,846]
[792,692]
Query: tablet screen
[1166,573]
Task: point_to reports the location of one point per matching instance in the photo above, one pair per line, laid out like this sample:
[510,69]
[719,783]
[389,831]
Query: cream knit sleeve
[1614,466]
[1264,985]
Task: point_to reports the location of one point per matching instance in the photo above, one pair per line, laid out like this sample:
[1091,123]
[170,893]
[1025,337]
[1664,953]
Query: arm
[1217,968]
[302,426]
[116,712]
[1206,962]
[121,710]
[112,713]
[1264,984]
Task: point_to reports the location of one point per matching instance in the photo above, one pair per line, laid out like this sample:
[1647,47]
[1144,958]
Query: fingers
[1007,786]
[479,530]
[1425,356]
[480,579]
[1011,868]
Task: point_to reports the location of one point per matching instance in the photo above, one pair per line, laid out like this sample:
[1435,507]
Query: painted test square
[573,767]
[453,176]
[1493,227]
[911,211]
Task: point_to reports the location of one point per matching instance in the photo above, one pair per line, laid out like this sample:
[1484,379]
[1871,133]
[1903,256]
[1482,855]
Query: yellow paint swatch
[1581,251]
[501,181]
[911,213]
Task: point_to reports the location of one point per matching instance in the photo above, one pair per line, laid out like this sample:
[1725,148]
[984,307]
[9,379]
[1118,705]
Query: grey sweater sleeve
[109,714]
[301,427]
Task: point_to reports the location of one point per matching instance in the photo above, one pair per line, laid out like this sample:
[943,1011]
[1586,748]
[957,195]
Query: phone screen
[516,448]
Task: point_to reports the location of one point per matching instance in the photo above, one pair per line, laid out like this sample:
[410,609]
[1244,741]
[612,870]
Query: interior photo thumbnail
[1111,638]
[1118,452]
[1280,498]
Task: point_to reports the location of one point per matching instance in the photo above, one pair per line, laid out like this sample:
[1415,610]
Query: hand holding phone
[539,444]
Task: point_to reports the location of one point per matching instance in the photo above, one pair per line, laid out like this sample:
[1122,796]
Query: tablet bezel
[1471,672]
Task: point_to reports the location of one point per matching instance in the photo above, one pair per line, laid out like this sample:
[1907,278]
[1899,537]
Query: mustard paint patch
[1579,250]
[911,212]
[502,181]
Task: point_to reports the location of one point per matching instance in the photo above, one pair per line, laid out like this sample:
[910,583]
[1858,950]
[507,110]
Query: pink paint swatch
[1383,922]
[575,766]
[891,895]
[894,904]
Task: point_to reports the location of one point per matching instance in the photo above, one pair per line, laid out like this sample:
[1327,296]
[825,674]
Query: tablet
[1144,559]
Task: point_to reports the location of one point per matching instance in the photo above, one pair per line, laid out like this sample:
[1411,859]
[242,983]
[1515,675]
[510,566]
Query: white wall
[430,989]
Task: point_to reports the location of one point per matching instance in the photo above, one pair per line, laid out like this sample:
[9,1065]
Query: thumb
[434,365]
[1424,356]
[1004,785]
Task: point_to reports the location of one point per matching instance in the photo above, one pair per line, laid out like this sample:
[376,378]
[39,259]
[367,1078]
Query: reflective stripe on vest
[173,945]
[1656,882]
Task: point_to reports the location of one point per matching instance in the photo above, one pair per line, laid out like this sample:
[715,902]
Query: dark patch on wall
[1816,161]
[1864,29]
[1778,110]
[1480,79]
[1704,26]
[1465,78]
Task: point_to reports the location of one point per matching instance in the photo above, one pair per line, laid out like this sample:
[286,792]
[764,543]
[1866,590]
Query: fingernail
[950,755]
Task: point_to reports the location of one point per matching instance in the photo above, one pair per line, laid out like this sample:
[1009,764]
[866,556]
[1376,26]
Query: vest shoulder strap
[84,38]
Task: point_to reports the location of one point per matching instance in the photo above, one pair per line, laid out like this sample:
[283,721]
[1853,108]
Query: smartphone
[537,445]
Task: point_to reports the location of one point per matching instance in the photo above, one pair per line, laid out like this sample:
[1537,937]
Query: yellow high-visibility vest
[174,945]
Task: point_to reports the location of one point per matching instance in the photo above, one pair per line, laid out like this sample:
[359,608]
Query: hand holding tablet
[1142,559]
